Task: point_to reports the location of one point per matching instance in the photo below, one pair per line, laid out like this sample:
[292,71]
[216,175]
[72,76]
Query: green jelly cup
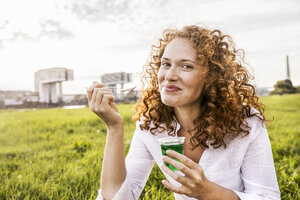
[171,143]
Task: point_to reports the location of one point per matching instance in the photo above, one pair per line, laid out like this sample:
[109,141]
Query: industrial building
[48,84]
[48,90]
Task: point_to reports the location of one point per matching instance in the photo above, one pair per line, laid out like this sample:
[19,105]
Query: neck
[186,115]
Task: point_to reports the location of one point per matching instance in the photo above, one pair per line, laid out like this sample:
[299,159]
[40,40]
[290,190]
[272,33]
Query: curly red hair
[227,95]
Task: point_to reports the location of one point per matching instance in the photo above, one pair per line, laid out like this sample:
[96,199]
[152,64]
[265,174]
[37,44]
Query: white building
[17,98]
[48,83]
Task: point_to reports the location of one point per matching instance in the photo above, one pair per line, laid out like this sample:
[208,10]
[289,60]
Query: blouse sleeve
[139,163]
[258,171]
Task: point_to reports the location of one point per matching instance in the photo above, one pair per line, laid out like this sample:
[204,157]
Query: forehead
[180,48]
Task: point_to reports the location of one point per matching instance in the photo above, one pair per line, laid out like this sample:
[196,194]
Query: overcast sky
[93,37]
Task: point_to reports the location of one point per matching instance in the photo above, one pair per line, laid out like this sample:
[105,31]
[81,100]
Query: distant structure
[48,83]
[112,80]
[285,86]
[11,99]
[287,68]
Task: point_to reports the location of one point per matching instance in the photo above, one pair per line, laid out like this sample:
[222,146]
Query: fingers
[189,179]
[93,99]
[173,188]
[109,97]
[103,99]
[180,166]
[185,160]
[91,89]
[97,98]
[174,175]
[193,176]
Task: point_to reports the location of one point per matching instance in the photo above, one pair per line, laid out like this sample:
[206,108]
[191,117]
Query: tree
[2,101]
[284,87]
[298,89]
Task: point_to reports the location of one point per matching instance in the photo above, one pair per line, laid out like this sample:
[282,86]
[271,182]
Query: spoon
[121,90]
[124,90]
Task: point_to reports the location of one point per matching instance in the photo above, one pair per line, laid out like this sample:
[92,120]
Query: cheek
[160,78]
[160,74]
[196,85]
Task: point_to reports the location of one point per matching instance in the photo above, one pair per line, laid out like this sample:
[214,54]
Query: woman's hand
[102,103]
[194,183]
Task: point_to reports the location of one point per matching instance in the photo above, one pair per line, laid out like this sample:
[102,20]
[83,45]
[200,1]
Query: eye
[187,67]
[165,64]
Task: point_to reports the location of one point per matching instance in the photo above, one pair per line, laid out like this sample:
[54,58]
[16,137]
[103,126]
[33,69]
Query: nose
[172,74]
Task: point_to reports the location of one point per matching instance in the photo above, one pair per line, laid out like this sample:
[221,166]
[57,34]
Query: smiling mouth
[172,88]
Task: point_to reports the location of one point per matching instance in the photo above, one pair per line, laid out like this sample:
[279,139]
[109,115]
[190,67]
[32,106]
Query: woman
[197,87]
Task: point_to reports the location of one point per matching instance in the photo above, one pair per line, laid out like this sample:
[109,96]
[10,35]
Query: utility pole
[287,68]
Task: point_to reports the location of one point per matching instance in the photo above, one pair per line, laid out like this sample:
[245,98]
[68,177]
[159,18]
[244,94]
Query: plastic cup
[171,143]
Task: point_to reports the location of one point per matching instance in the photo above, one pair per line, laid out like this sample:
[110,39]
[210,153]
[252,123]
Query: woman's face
[180,77]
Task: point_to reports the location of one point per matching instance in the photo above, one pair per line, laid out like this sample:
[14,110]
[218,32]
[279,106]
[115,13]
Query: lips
[172,88]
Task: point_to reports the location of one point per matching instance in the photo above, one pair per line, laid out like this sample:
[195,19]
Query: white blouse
[245,166]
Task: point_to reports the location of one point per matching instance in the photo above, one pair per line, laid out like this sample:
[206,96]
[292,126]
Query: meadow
[57,153]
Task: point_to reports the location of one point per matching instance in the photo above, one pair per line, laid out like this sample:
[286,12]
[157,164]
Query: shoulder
[143,122]
[257,131]
[256,124]
[255,127]
[141,126]
[255,120]
[158,131]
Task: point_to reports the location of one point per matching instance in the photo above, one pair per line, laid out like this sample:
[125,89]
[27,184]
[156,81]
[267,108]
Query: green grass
[284,133]
[57,153]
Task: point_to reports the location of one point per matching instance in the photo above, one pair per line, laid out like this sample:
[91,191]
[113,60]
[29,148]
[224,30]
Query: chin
[169,102]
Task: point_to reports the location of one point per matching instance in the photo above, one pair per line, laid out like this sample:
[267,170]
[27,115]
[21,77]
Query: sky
[94,37]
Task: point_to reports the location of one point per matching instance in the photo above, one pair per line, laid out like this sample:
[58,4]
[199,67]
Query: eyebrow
[182,60]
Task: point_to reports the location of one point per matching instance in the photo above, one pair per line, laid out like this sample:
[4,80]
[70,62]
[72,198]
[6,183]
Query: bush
[2,103]
[298,89]
[284,87]
[81,146]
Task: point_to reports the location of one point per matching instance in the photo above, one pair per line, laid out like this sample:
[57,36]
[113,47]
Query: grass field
[57,153]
